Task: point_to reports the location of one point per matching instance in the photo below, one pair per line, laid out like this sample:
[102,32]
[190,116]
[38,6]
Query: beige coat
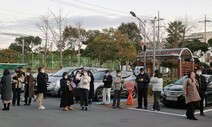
[117,83]
[190,90]
[85,82]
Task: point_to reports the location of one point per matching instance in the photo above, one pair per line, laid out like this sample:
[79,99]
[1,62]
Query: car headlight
[55,83]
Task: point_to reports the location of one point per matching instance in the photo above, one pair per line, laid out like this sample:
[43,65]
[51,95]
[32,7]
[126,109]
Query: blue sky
[21,16]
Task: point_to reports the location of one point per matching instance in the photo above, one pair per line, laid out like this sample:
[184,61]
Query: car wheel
[99,96]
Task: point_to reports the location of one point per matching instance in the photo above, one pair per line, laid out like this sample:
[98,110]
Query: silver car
[53,85]
[99,85]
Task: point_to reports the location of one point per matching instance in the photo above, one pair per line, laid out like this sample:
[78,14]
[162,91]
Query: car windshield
[180,81]
[60,72]
[99,75]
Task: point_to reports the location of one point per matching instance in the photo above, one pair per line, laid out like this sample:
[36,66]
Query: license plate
[171,98]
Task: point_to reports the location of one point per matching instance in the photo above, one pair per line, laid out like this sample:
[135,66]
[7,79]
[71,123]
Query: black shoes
[202,114]
[86,109]
[139,107]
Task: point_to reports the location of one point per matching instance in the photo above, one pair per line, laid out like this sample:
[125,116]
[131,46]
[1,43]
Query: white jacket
[157,83]
[85,82]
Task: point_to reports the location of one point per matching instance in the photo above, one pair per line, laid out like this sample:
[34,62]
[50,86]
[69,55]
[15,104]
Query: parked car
[53,86]
[98,84]
[173,93]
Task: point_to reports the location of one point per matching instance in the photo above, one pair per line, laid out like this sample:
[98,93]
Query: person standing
[84,86]
[107,80]
[117,81]
[41,87]
[190,91]
[157,86]
[142,81]
[77,78]
[18,81]
[67,93]
[202,88]
[29,87]
[91,91]
[6,90]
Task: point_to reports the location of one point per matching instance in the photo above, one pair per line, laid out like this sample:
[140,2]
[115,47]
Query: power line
[100,7]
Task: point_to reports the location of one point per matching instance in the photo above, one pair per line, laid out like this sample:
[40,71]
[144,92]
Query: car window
[60,72]
[180,81]
[124,74]
[99,75]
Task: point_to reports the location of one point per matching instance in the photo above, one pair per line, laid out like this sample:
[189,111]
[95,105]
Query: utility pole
[158,35]
[205,21]
[154,44]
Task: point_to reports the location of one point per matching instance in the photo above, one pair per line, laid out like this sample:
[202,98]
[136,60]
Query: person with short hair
[157,86]
[142,81]
[41,87]
[117,81]
[202,88]
[6,89]
[107,80]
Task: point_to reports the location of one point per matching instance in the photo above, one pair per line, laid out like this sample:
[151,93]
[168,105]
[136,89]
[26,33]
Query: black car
[173,93]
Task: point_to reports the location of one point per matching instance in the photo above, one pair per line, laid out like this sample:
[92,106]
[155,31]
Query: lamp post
[142,25]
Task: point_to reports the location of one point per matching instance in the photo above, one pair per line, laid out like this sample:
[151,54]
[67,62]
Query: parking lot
[99,115]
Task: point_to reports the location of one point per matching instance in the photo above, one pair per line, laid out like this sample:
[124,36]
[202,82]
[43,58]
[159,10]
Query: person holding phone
[142,81]
[117,81]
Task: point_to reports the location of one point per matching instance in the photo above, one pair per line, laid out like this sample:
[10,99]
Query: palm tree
[175,32]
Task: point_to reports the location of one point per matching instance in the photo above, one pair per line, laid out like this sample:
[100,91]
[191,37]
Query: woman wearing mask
[18,84]
[41,87]
[91,91]
[67,93]
[190,90]
[77,78]
[117,81]
[157,85]
[6,89]
[29,87]
[84,86]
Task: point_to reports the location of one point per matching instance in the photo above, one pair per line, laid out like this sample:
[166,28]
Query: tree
[133,33]
[111,45]
[57,33]
[197,45]
[210,42]
[9,56]
[29,43]
[175,32]
[44,27]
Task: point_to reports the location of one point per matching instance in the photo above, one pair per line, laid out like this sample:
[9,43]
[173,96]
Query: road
[98,116]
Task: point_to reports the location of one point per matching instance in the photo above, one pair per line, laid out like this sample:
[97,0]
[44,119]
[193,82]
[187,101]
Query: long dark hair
[6,72]
[189,74]
[157,74]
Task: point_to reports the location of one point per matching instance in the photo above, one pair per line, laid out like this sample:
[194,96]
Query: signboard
[137,69]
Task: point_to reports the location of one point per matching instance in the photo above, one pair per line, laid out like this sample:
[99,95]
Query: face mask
[118,75]
[199,73]
[85,74]
[27,74]
[66,77]
[107,74]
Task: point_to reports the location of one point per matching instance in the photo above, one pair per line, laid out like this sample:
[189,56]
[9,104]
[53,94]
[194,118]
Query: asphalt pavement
[98,116]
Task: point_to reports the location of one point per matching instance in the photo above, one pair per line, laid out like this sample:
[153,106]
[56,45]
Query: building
[207,57]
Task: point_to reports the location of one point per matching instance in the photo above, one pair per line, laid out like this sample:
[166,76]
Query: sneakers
[41,108]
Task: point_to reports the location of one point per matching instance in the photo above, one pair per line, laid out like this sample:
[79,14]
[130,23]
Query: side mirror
[210,85]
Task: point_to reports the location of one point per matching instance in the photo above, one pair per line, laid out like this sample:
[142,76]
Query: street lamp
[142,25]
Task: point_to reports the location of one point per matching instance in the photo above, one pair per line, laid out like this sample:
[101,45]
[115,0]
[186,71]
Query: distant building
[207,57]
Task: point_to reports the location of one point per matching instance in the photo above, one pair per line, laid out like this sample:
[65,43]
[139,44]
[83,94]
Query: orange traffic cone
[130,88]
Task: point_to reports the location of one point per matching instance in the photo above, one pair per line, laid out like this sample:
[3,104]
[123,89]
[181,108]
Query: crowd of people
[80,87]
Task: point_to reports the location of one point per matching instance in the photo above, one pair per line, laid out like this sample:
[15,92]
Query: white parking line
[208,110]
[166,113]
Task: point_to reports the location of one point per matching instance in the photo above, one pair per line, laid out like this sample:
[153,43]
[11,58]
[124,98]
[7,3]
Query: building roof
[167,53]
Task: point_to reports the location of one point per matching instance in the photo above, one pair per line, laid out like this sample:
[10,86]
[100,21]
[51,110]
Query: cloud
[29,26]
